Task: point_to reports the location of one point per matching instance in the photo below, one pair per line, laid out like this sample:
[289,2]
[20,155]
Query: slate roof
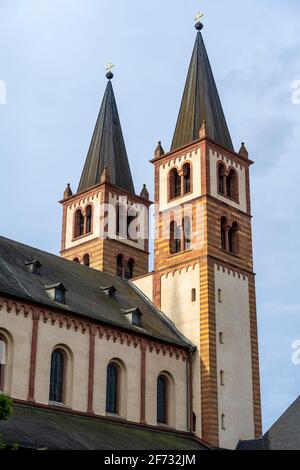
[84,295]
[35,428]
[107,149]
[200,103]
[283,435]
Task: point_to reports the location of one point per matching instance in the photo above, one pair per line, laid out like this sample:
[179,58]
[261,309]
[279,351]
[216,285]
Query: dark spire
[201,102]
[107,150]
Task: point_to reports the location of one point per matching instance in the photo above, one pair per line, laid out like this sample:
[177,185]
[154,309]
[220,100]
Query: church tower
[105,224]
[203,271]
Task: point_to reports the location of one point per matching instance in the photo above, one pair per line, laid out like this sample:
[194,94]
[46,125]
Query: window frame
[62,386]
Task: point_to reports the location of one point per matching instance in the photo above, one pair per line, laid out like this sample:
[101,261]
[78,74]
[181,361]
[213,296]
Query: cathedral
[94,342]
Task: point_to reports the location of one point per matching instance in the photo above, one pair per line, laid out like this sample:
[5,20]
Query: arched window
[224,225]
[194,295]
[120,264]
[221,338]
[130,268]
[232,185]
[112,388]
[175,238]
[79,224]
[222,378]
[2,361]
[76,260]
[86,260]
[88,219]
[221,178]
[57,377]
[118,219]
[186,178]
[223,424]
[186,223]
[162,399]
[233,238]
[174,184]
[132,215]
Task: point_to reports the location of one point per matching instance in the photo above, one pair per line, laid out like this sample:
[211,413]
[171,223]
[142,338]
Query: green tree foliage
[6,407]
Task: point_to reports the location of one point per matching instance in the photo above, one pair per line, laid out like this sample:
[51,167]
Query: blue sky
[52,59]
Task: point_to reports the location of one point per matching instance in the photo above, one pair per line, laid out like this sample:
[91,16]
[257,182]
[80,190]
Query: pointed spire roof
[200,103]
[107,149]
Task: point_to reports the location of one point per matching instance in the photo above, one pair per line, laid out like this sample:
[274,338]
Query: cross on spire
[198,17]
[110,67]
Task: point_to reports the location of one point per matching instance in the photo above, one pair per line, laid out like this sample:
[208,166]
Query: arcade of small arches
[180,236]
[228,182]
[61,368]
[125,269]
[229,236]
[86,260]
[83,222]
[180,181]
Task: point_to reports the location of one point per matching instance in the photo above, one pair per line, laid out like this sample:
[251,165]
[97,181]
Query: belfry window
[186,178]
[130,268]
[57,377]
[221,178]
[224,225]
[79,224]
[120,266]
[186,223]
[233,238]
[88,219]
[232,185]
[174,184]
[86,260]
[112,388]
[162,399]
[175,238]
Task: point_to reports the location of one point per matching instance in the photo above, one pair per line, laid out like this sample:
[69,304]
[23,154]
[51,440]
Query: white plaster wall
[145,284]
[214,157]
[95,199]
[49,336]
[20,328]
[105,351]
[155,364]
[235,398]
[176,303]
[193,157]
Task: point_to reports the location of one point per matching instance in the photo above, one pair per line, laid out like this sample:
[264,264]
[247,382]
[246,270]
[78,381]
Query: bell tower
[105,224]
[203,277]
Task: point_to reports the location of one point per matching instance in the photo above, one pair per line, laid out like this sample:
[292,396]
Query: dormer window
[134,316]
[109,291]
[33,266]
[57,292]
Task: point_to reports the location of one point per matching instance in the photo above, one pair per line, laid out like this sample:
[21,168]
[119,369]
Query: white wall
[235,399]
[145,284]
[176,303]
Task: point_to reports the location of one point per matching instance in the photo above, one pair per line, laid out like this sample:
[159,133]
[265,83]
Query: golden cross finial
[110,67]
[198,17]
